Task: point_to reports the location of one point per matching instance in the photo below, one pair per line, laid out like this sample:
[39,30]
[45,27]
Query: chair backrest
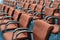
[39,11]
[32,1]
[39,8]
[3,7]
[26,5]
[15,3]
[49,11]
[25,20]
[47,4]
[5,0]
[22,4]
[16,15]
[32,7]
[11,11]
[41,30]
[28,1]
[56,5]
[7,9]
[41,2]
[24,0]
[0,6]
[47,0]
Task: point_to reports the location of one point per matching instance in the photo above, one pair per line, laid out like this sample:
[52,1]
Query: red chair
[47,4]
[41,2]
[32,8]
[56,5]
[41,30]
[39,9]
[49,11]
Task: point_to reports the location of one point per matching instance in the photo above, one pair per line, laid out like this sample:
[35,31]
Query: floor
[1,35]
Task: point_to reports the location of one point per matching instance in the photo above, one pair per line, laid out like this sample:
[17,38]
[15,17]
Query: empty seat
[32,8]
[49,11]
[56,5]
[41,2]
[7,9]
[47,4]
[54,22]
[41,30]
[24,0]
[26,7]
[3,7]
[38,12]
[28,1]
[21,5]
[32,1]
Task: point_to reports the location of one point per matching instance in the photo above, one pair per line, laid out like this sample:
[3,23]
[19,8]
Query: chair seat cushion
[8,36]
[10,26]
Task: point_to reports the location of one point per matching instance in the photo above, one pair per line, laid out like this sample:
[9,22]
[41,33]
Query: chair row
[24,26]
[37,11]
[15,20]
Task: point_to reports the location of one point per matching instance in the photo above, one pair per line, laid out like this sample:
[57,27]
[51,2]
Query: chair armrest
[51,17]
[3,13]
[46,17]
[6,17]
[17,30]
[10,23]
[29,10]
[1,10]
[12,5]
[55,18]
[23,31]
